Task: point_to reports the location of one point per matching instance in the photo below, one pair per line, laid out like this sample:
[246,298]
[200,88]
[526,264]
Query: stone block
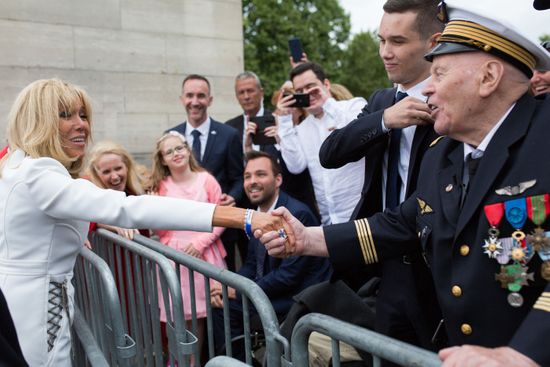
[36,45]
[185,55]
[96,13]
[204,18]
[107,50]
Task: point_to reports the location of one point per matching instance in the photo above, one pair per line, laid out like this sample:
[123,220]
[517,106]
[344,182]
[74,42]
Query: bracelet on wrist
[248,223]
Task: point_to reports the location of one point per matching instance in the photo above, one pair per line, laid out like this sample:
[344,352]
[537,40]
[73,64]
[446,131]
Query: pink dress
[205,189]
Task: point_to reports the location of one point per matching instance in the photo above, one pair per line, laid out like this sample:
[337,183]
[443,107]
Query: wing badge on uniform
[424,208]
[516,190]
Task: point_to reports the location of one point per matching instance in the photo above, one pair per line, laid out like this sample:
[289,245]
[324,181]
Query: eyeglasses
[170,152]
[442,13]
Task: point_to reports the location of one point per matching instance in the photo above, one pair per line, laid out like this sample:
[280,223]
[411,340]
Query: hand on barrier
[472,355]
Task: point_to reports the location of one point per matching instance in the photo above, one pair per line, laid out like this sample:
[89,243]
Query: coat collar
[513,128]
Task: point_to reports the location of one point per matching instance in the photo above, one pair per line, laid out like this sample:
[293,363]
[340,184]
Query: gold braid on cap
[478,36]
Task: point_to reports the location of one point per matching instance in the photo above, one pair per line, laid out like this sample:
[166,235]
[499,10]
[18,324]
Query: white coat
[45,216]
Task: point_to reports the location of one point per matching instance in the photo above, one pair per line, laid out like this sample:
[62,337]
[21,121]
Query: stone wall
[130,55]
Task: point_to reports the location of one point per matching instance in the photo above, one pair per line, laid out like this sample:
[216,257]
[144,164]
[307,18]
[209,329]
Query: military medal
[538,208]
[494,214]
[514,277]
[516,214]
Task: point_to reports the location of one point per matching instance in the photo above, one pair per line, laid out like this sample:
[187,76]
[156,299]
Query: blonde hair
[340,92]
[160,170]
[133,183]
[33,121]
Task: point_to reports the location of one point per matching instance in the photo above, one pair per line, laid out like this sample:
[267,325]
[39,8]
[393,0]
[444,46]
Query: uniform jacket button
[466,329]
[456,291]
[464,250]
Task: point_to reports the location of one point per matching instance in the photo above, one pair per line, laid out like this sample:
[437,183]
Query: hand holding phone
[262,122]
[301,100]
[295,47]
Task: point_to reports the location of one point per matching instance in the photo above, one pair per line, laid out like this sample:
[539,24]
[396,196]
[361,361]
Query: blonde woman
[176,173]
[45,212]
[112,167]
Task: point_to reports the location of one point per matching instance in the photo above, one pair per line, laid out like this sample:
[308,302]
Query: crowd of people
[436,186]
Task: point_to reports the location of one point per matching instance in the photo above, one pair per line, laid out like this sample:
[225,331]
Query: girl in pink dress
[176,173]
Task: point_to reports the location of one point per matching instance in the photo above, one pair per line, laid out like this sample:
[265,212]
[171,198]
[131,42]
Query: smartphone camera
[302,99]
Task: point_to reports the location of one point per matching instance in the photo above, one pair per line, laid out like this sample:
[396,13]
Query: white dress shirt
[337,190]
[405,146]
[204,129]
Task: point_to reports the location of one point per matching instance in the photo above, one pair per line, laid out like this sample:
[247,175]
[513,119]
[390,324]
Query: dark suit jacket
[284,278]
[298,186]
[364,138]
[223,157]
[452,237]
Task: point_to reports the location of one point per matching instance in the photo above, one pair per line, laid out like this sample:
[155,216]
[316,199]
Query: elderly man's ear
[491,74]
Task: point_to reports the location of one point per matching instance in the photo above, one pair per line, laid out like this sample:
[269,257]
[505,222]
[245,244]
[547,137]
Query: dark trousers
[407,307]
[236,326]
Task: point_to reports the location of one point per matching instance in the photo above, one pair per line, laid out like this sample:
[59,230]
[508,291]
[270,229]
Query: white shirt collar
[415,91]
[487,139]
[272,208]
[203,128]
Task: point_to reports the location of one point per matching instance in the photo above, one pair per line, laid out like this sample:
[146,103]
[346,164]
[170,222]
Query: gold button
[456,291]
[466,329]
[464,250]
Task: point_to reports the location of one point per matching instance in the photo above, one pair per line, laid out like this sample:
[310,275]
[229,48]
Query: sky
[366,14]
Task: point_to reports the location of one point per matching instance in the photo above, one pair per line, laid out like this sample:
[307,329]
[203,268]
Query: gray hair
[248,75]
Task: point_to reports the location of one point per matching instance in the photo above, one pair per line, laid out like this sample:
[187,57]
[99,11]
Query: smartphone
[295,47]
[262,122]
[302,99]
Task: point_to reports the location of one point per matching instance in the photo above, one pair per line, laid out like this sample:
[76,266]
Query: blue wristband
[248,223]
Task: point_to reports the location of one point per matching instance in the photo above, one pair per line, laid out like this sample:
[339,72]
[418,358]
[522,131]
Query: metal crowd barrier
[380,346]
[87,351]
[98,319]
[140,273]
[275,343]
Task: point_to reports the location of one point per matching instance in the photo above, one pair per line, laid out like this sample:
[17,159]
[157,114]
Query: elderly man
[480,211]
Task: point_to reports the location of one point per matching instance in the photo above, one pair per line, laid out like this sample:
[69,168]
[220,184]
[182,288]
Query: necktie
[472,162]
[260,259]
[196,144]
[393,182]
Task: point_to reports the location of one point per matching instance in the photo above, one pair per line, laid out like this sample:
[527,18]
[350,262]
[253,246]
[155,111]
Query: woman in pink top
[176,173]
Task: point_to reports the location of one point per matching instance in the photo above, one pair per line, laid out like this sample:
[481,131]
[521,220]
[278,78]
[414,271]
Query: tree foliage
[362,69]
[322,26]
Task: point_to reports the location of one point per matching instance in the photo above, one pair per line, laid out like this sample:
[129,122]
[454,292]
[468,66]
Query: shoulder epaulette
[436,140]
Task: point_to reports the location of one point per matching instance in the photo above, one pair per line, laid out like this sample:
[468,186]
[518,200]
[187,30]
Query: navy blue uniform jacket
[452,237]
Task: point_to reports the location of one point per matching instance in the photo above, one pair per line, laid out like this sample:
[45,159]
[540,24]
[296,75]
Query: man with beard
[280,279]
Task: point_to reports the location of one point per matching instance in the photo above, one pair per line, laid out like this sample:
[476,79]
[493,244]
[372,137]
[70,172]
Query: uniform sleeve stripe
[371,241]
[543,303]
[362,241]
[366,241]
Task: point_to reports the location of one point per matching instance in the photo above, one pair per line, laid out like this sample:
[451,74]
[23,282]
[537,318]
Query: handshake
[273,229]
